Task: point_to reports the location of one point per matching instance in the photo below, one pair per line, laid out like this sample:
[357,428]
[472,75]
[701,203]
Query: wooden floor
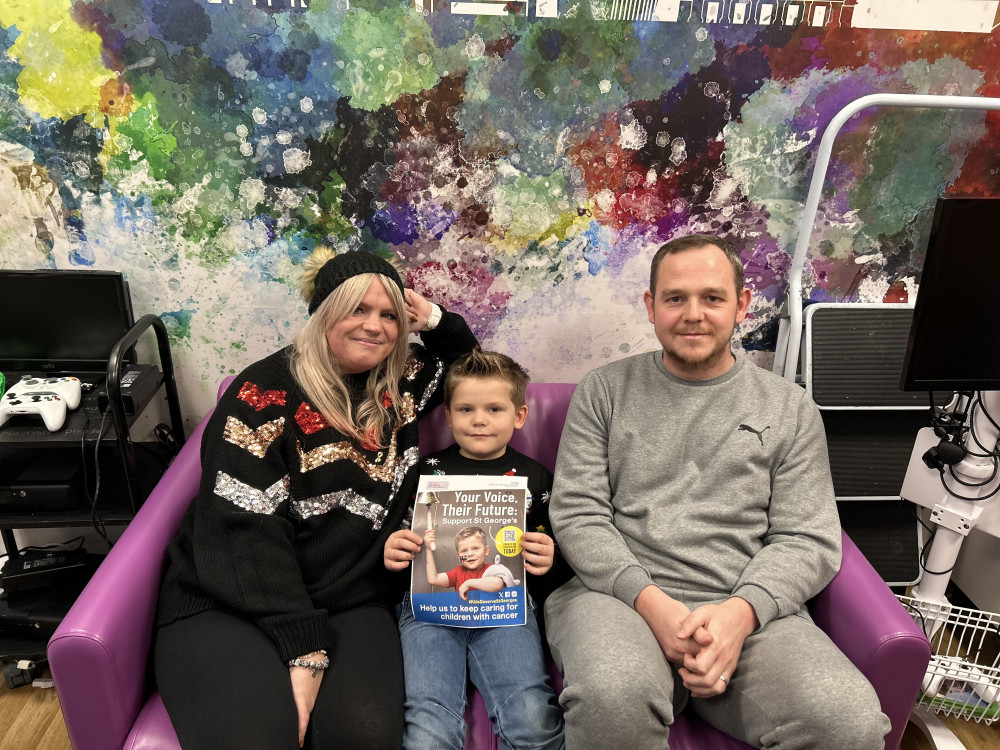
[974,736]
[30,719]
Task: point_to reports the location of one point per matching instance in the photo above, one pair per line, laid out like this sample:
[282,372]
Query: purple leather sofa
[100,653]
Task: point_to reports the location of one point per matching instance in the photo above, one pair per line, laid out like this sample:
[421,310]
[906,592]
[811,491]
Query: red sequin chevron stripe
[310,421]
[259,399]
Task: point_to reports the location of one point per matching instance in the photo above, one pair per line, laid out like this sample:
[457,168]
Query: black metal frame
[123,435]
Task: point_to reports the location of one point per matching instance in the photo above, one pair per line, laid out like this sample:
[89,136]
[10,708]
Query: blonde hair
[468,532]
[487,364]
[320,376]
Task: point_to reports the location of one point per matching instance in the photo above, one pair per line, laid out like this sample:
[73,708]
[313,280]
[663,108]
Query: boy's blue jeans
[505,664]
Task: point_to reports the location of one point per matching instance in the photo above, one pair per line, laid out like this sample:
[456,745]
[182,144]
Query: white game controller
[50,398]
[953,668]
[67,387]
[49,406]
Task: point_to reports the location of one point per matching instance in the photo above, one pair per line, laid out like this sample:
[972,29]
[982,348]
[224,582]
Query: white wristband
[434,318]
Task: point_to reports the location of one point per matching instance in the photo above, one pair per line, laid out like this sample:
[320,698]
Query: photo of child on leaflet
[469,572]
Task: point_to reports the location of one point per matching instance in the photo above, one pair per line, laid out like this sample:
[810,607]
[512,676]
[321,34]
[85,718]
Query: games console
[49,398]
[37,570]
[38,480]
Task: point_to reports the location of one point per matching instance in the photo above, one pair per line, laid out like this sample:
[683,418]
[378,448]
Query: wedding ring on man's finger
[724,680]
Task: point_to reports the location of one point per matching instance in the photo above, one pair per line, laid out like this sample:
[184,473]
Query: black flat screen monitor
[61,321]
[954,342]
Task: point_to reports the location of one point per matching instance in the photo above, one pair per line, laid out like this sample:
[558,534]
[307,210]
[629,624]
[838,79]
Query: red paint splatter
[897,293]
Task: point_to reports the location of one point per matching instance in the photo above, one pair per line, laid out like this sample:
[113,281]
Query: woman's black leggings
[224,685]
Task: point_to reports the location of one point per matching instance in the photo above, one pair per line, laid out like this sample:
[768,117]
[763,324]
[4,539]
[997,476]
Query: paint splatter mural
[524,159]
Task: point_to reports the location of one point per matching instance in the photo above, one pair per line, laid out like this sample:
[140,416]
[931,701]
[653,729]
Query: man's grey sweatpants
[792,688]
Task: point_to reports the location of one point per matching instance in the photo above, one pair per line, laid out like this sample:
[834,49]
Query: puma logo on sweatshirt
[758,433]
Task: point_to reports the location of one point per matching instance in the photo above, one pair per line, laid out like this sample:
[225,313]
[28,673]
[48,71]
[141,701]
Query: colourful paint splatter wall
[524,158]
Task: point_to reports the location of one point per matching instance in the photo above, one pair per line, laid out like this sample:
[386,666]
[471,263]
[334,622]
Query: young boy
[484,404]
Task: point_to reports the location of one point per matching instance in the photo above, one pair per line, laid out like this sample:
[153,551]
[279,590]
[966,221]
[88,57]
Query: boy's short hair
[471,531]
[484,364]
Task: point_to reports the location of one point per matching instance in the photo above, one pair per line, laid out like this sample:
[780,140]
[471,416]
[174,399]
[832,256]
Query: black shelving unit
[126,479]
[128,472]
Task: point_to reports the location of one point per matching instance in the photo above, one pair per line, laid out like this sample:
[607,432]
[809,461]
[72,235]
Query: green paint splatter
[388,55]
[178,325]
[905,165]
[566,60]
[533,204]
[762,150]
[147,139]
[322,214]
[185,139]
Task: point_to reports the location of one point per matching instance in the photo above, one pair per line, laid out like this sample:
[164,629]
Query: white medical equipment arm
[956,517]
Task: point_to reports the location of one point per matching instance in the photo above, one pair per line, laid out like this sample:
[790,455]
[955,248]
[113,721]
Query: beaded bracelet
[313,665]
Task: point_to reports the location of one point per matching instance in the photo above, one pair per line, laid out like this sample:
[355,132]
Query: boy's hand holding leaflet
[475,577]
[539,552]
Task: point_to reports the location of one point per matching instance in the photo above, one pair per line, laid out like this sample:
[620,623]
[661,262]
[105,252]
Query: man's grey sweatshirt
[705,488]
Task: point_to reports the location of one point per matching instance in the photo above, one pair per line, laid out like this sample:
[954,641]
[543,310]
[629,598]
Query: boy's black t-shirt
[512,463]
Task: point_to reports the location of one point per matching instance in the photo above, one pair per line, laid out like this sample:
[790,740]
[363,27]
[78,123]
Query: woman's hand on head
[418,309]
[400,548]
[305,688]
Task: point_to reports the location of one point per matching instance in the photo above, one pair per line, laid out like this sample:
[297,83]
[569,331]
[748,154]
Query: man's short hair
[484,364]
[470,531]
[690,242]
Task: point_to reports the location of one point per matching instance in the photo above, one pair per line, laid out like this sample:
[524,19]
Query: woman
[275,612]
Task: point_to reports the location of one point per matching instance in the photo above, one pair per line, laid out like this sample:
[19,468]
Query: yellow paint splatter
[62,75]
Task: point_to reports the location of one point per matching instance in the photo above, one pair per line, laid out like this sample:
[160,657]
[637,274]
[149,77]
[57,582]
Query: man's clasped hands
[704,643]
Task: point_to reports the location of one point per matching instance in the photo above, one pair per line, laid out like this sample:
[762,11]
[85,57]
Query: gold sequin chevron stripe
[256,441]
[412,367]
[325,454]
[353,502]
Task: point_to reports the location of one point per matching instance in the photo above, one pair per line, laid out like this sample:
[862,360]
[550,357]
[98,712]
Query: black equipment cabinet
[126,480]
[63,464]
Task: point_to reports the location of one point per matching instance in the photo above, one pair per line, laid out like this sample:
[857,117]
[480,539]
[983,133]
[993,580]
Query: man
[693,498]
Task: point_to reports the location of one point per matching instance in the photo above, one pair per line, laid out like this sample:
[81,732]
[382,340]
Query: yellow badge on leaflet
[508,541]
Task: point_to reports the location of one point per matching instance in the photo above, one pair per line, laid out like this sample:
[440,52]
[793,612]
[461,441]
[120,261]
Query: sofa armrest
[867,622]
[100,652]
